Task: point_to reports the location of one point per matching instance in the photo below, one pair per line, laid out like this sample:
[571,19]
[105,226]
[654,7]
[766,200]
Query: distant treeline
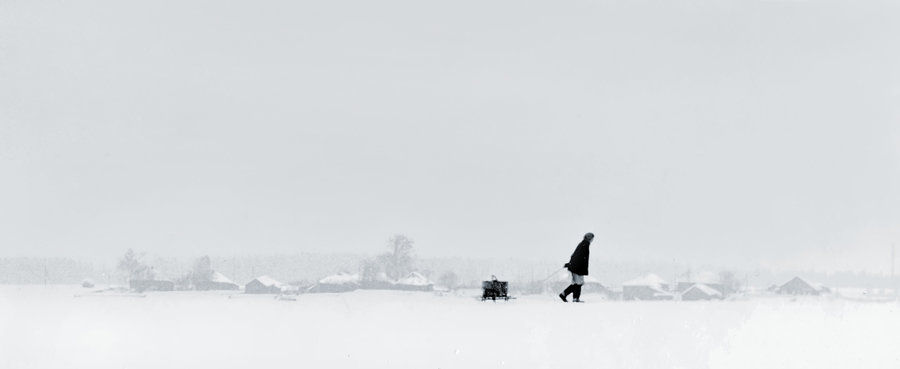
[45,270]
[308,267]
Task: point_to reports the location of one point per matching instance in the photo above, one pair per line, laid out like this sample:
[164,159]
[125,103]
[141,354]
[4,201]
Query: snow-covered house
[414,282]
[649,287]
[341,282]
[700,292]
[800,286]
[216,281]
[264,284]
[709,279]
[378,281]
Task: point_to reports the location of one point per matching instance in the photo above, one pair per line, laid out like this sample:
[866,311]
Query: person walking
[578,266]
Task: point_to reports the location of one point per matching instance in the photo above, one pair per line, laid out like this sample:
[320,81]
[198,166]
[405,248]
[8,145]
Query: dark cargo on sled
[494,290]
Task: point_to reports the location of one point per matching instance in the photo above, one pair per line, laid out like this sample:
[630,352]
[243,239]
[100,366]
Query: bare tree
[730,284]
[398,261]
[132,265]
[370,269]
[202,270]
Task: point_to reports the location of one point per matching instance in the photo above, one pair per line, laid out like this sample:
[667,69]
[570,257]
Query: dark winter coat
[578,263]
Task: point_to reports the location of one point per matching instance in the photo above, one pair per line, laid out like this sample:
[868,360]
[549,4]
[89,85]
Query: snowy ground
[47,327]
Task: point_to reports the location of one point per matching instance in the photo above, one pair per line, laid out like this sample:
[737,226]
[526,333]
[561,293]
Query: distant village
[396,270]
[399,269]
[648,287]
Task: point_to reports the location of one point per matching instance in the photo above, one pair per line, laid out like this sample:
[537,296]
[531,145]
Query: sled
[495,290]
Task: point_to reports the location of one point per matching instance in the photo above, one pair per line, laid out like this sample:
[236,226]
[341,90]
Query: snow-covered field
[48,327]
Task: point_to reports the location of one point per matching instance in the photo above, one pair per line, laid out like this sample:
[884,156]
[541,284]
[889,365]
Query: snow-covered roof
[705,289]
[658,293]
[414,279]
[649,280]
[340,278]
[817,286]
[269,281]
[219,278]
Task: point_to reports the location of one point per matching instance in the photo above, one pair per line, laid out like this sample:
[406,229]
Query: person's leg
[577,281]
[565,293]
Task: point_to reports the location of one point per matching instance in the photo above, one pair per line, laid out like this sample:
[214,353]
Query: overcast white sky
[730,132]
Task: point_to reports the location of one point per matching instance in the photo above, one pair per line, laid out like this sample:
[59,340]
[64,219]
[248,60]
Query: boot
[577,293]
[565,293]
